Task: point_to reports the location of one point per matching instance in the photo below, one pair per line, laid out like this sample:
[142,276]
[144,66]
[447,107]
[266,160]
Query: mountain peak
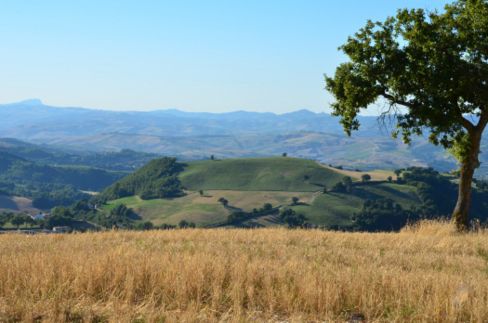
[31,102]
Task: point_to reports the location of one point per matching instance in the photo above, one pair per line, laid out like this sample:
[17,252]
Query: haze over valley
[191,135]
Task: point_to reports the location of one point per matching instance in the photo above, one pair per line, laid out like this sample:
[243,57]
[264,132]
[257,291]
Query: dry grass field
[423,274]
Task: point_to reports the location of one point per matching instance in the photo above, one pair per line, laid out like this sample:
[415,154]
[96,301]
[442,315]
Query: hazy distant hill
[237,134]
[35,121]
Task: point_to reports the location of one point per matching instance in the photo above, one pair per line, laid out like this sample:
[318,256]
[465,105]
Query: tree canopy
[430,70]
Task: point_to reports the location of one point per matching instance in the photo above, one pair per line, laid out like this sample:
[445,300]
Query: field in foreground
[425,274]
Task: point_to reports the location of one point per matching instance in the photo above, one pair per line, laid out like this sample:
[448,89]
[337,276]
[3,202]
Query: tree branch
[467,124]
[464,122]
[398,101]
[483,120]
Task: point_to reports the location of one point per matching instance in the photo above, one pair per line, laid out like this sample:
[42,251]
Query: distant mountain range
[190,135]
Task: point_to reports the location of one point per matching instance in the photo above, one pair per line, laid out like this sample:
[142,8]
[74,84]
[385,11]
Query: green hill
[50,185]
[157,179]
[199,189]
[247,184]
[258,174]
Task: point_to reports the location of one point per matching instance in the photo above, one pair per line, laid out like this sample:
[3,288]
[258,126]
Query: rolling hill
[258,174]
[249,183]
[193,136]
[49,185]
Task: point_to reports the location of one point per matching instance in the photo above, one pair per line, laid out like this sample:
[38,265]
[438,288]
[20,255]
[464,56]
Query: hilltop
[235,192]
[259,174]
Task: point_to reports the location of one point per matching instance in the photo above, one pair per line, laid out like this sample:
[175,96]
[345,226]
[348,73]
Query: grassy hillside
[258,174]
[330,210]
[216,191]
[248,184]
[204,210]
[48,185]
[335,209]
[428,274]
[16,204]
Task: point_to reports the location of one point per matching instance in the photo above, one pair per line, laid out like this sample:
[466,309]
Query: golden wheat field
[428,273]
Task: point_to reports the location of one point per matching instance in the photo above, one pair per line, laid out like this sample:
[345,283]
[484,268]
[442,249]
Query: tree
[431,70]
[389,179]
[365,178]
[185,224]
[347,181]
[292,219]
[294,200]
[200,192]
[147,225]
[284,154]
[224,201]
[381,215]
[18,220]
[267,207]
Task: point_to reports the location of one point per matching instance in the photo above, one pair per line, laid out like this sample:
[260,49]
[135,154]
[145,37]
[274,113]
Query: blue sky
[192,55]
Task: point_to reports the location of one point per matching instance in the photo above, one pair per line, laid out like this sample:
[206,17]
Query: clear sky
[256,55]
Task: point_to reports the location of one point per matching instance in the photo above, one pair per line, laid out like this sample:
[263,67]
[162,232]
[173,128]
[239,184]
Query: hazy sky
[192,55]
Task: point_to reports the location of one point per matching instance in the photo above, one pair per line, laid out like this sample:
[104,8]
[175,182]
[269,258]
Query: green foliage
[381,215]
[183,224]
[431,64]
[236,218]
[146,225]
[365,178]
[431,70]
[345,186]
[223,201]
[436,192]
[123,160]
[49,186]
[157,179]
[292,219]
[18,220]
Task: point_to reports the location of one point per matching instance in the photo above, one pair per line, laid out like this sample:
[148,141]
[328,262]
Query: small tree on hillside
[398,172]
[18,220]
[347,181]
[365,178]
[284,154]
[294,200]
[224,201]
[183,224]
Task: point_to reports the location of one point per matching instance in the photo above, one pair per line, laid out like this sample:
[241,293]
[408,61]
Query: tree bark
[460,215]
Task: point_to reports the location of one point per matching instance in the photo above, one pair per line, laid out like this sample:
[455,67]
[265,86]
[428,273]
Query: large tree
[431,71]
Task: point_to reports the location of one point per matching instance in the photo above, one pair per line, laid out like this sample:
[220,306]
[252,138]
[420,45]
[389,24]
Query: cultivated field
[430,274]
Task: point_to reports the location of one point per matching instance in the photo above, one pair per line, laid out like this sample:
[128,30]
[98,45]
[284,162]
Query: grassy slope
[321,209]
[249,183]
[16,204]
[336,208]
[269,275]
[258,174]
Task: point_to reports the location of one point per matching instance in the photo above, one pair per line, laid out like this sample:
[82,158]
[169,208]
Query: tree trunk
[460,215]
